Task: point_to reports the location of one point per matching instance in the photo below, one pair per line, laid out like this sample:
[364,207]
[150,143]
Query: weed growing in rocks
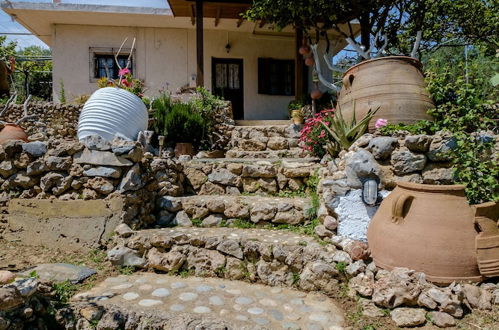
[127,270]
[65,290]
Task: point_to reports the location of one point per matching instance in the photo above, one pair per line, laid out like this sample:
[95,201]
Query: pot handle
[348,80]
[398,207]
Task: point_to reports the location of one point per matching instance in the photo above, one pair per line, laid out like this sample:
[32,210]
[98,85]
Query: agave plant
[345,133]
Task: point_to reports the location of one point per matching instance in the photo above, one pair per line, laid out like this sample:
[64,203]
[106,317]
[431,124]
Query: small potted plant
[295,112]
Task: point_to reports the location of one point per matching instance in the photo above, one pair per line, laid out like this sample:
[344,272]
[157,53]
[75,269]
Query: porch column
[199,44]
[299,67]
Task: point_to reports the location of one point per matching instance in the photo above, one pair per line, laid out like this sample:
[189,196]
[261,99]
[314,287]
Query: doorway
[227,82]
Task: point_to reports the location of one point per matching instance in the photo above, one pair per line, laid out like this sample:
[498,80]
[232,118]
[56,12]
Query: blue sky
[7,25]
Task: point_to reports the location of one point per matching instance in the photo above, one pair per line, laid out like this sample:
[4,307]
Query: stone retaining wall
[405,158]
[52,119]
[236,177]
[66,170]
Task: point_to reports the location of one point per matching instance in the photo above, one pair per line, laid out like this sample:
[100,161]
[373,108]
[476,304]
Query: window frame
[95,52]
[264,76]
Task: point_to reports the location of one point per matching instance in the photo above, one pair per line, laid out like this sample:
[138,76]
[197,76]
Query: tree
[36,71]
[7,48]
[386,24]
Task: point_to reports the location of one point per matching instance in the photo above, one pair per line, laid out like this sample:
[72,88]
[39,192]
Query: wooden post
[199,44]
[299,66]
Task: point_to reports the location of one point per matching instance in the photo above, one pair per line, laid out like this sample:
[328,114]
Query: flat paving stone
[57,273]
[241,305]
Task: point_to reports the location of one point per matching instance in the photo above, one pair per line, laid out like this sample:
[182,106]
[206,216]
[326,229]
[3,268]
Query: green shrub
[463,108]
[181,124]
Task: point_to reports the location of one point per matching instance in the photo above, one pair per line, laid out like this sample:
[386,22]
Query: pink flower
[124,71]
[380,123]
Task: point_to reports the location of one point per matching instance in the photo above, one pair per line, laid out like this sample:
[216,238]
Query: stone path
[230,304]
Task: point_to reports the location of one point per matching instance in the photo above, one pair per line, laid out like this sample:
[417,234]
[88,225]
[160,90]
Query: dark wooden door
[227,82]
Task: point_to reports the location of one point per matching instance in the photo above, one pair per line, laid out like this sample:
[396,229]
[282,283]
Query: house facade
[246,62]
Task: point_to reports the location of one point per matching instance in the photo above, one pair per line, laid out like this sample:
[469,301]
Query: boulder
[101,158]
[360,164]
[418,143]
[224,177]
[259,171]
[277,143]
[382,147]
[438,173]
[476,297]
[35,149]
[122,256]
[213,220]
[408,317]
[6,277]
[58,163]
[103,171]
[132,180]
[405,162]
[441,147]
[237,211]
[96,142]
[36,167]
[441,320]
[10,298]
[60,272]
[182,219]
[7,168]
[262,212]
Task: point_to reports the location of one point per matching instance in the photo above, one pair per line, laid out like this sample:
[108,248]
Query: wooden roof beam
[239,22]
[217,18]
[193,15]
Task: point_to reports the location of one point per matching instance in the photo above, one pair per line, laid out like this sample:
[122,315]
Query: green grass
[127,270]
[196,222]
[341,267]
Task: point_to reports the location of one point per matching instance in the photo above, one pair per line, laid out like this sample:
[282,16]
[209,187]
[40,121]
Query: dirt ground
[15,256]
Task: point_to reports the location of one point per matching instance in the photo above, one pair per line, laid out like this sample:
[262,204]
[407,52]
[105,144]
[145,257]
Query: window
[103,64]
[276,77]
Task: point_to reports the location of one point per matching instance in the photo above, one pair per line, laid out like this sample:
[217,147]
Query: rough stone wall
[52,119]
[404,158]
[67,170]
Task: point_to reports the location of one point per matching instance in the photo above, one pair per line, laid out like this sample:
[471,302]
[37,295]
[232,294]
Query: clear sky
[7,25]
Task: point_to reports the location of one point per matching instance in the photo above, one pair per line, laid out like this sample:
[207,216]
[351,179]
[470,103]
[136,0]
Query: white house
[246,62]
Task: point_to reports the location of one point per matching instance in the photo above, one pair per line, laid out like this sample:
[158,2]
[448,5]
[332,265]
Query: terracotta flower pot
[12,132]
[395,84]
[427,228]
[184,149]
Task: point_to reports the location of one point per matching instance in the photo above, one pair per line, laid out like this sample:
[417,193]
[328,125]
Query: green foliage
[341,267]
[7,48]
[34,76]
[126,270]
[62,92]
[208,106]
[64,291]
[463,109]
[180,123]
[244,224]
[295,105]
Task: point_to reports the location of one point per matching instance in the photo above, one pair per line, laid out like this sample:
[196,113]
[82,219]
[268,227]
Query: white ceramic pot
[112,110]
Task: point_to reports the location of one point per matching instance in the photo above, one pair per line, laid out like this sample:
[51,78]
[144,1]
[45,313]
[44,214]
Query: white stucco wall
[168,55]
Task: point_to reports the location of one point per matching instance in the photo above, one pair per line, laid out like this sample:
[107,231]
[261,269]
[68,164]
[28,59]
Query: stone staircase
[226,228]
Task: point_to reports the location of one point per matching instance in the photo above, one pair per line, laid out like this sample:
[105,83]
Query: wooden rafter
[193,15]
[217,18]
[239,22]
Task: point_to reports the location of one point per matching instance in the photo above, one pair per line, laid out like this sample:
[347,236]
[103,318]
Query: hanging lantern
[304,50]
[309,61]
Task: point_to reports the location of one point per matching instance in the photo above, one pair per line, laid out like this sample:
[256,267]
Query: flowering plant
[314,135]
[329,132]
[125,81]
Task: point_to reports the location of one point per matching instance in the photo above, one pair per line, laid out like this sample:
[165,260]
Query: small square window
[276,77]
[105,65]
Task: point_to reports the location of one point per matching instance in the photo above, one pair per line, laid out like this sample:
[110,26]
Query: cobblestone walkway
[238,305]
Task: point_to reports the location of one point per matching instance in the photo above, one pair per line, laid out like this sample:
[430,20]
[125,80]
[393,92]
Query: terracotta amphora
[487,241]
[427,228]
[394,84]
[12,132]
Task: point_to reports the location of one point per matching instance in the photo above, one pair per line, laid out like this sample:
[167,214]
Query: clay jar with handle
[12,132]
[427,228]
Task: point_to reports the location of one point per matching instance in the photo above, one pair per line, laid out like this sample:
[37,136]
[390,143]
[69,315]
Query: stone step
[265,154]
[236,176]
[221,210]
[265,138]
[270,257]
[169,302]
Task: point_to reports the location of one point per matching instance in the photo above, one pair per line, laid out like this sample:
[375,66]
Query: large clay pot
[12,132]
[427,228]
[395,84]
[110,111]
